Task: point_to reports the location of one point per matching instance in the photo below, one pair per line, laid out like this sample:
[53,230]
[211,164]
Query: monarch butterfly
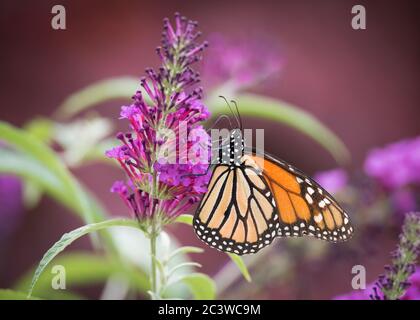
[253,199]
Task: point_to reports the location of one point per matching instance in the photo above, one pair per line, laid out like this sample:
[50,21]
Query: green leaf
[30,169]
[183,265]
[201,286]
[32,194]
[184,250]
[84,269]
[98,92]
[241,266]
[33,148]
[33,172]
[68,238]
[185,218]
[188,219]
[268,108]
[7,294]
[42,128]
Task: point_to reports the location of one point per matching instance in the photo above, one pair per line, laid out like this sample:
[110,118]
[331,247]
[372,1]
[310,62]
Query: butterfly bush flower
[371,291]
[394,283]
[165,153]
[402,278]
[397,168]
[396,165]
[240,63]
[332,180]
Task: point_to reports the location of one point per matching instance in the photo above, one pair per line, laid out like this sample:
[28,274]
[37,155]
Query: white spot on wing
[318,218]
[308,198]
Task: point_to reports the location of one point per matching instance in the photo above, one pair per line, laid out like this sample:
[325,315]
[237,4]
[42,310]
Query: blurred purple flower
[332,180]
[412,293]
[242,63]
[402,278]
[403,201]
[395,165]
[160,182]
[358,294]
[396,280]
[10,203]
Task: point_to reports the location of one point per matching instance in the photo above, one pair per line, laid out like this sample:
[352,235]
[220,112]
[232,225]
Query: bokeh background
[362,84]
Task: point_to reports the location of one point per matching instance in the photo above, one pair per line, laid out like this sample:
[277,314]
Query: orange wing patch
[304,207]
[337,216]
[329,221]
[284,205]
[301,207]
[285,178]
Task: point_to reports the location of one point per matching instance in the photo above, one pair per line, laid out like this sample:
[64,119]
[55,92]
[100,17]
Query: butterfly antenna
[231,110]
[219,118]
[239,115]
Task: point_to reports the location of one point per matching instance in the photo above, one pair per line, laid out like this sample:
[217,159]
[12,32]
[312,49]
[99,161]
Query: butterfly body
[253,199]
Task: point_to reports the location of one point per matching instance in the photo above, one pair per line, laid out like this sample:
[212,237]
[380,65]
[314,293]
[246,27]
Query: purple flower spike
[129,112]
[372,292]
[119,187]
[165,155]
[115,153]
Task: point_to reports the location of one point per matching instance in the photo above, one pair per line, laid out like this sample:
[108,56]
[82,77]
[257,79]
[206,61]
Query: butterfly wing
[247,206]
[304,207]
[238,212]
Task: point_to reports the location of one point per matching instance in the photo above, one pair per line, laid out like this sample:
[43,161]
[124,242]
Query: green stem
[153,236]
[155,225]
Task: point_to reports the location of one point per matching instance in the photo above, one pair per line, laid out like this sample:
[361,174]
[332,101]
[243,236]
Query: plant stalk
[153,236]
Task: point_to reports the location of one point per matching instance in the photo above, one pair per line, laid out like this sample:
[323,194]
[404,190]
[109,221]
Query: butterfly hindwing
[240,217]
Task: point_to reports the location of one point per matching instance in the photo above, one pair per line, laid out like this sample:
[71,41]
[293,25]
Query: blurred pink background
[362,84]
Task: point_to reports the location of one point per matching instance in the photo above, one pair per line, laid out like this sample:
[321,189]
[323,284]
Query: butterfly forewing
[304,207]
